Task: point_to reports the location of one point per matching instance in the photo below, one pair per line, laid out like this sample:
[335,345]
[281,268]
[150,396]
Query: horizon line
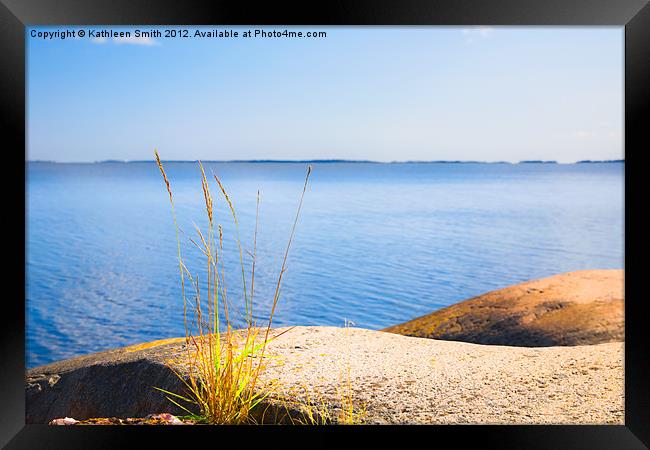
[324,161]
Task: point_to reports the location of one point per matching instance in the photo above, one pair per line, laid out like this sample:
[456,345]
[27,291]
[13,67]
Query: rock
[575,308]
[165,418]
[390,379]
[64,421]
[115,383]
[151,419]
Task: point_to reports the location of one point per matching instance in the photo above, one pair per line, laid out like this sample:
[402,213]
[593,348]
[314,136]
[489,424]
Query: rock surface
[114,383]
[575,308]
[392,379]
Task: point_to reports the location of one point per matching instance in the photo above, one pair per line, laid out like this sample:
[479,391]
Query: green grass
[222,365]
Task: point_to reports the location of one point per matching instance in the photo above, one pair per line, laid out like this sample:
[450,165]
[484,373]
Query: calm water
[376,244]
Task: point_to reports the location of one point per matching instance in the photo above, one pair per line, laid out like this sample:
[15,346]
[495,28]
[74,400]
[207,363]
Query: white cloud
[582,134]
[99,40]
[135,40]
[473,33]
[586,135]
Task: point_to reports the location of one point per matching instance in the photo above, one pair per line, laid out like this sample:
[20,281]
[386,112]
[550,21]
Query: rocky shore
[575,308]
[390,378]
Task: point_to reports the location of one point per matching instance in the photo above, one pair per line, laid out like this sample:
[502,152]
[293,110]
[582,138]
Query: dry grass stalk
[178,241]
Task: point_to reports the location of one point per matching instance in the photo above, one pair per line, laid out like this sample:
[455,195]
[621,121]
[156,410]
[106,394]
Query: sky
[362,93]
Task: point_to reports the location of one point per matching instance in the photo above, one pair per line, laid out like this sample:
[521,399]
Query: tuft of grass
[349,413]
[315,409]
[222,365]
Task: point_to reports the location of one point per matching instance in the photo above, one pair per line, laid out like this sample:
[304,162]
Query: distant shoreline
[328,161]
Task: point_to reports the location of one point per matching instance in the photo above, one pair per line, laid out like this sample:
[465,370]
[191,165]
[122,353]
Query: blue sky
[378,93]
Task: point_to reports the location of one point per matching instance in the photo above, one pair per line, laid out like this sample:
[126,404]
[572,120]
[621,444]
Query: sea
[375,244]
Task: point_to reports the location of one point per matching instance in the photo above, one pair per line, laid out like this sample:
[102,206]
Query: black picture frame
[16,15]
